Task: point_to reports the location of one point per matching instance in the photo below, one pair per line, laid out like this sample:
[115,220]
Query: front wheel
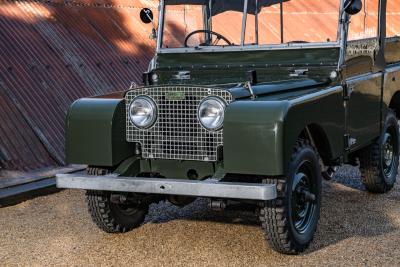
[112,217]
[290,220]
[380,161]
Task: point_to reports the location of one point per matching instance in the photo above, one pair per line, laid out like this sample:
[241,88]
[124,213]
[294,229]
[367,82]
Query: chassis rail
[206,188]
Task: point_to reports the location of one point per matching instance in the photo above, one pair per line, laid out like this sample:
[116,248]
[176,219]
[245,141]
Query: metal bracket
[347,91]
[349,142]
[248,86]
[299,73]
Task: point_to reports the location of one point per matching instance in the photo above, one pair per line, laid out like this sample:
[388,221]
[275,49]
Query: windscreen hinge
[298,73]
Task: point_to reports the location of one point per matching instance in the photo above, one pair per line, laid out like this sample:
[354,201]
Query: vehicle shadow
[349,176]
[346,212]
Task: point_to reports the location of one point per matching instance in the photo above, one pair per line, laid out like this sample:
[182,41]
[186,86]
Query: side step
[206,188]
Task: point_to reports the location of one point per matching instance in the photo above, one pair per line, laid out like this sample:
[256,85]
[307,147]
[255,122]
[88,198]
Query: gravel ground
[356,229]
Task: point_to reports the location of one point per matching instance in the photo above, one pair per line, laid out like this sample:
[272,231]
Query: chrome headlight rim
[152,104]
[223,104]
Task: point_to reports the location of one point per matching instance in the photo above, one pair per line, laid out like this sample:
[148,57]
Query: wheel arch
[317,136]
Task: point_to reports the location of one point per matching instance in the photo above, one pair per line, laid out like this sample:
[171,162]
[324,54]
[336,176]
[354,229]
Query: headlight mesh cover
[177,133]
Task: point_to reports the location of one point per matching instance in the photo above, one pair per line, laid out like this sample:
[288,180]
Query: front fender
[253,137]
[324,109]
[259,135]
[95,133]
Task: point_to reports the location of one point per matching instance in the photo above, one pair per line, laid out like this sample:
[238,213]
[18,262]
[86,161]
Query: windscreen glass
[265,22]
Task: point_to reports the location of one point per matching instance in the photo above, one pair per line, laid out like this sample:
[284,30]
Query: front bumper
[206,188]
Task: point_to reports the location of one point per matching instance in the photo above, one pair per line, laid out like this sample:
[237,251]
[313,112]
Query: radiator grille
[177,133]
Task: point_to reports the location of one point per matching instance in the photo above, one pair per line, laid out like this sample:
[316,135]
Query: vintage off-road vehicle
[250,101]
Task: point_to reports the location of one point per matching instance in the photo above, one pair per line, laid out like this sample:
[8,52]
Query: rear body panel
[392,72]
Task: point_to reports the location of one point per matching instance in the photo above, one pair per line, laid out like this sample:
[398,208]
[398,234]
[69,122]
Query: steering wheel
[219,37]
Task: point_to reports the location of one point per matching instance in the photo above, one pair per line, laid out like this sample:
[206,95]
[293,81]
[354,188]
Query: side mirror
[146,15]
[353,7]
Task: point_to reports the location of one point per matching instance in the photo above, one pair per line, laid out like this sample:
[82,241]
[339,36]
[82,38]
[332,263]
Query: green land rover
[251,101]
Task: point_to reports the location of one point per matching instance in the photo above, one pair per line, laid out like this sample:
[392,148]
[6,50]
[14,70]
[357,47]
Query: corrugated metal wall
[53,52]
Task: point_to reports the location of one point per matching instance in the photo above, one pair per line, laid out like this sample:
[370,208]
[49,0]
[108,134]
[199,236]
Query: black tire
[379,162]
[285,229]
[111,217]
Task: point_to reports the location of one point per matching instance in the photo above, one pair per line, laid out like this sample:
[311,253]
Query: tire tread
[273,215]
[370,169]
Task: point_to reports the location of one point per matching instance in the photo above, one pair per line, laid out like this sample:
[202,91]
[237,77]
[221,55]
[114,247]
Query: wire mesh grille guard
[177,133]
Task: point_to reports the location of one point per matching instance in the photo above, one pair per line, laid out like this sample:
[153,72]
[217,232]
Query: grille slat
[177,133]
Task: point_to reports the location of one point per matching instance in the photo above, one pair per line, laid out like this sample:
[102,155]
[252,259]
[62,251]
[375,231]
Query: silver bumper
[207,188]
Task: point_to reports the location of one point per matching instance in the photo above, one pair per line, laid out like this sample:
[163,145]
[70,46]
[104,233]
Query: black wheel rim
[303,199]
[389,155]
[125,209]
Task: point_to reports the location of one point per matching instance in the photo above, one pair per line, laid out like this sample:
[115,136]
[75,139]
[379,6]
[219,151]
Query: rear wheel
[290,220]
[380,161]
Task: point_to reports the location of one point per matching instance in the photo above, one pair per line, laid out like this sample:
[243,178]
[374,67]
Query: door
[364,80]
[364,109]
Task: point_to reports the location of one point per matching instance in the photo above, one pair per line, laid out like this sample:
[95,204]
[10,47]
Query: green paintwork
[253,137]
[320,110]
[134,165]
[315,56]
[391,92]
[231,67]
[129,167]
[178,169]
[364,114]
[96,132]
[392,50]
[260,131]
[268,127]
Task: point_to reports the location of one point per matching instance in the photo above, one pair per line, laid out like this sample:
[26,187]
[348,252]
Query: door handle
[348,90]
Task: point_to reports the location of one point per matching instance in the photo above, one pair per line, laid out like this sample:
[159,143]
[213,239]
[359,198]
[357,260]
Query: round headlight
[211,113]
[142,112]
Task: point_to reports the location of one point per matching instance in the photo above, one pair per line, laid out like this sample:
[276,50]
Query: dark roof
[220,6]
[54,52]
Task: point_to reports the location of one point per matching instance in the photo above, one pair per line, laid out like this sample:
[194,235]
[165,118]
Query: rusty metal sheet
[54,52]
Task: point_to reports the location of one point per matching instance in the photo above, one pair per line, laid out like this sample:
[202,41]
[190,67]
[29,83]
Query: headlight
[142,112]
[211,113]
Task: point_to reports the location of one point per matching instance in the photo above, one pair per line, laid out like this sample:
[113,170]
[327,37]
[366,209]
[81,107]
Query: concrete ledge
[16,187]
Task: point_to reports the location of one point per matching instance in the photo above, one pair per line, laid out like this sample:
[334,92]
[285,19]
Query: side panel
[392,56]
[253,132]
[392,50]
[96,132]
[392,84]
[364,108]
